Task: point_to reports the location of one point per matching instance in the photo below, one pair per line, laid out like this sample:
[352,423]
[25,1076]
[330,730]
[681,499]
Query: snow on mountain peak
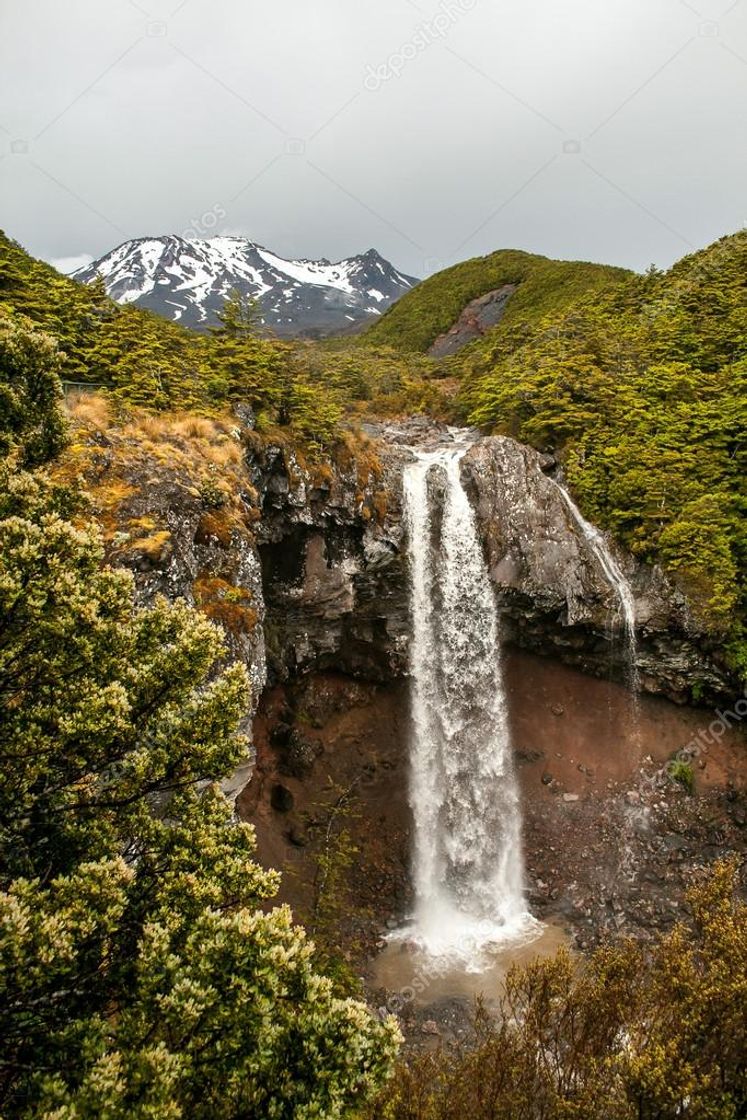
[188,279]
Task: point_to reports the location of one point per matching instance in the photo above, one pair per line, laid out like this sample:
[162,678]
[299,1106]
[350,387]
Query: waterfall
[617,581]
[468,868]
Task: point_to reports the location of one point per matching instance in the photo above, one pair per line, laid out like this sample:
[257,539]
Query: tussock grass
[90,410]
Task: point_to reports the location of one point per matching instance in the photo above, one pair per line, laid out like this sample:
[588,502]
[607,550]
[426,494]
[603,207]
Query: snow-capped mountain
[188,279]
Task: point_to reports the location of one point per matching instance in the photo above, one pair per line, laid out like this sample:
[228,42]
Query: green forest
[635,382]
[145,973]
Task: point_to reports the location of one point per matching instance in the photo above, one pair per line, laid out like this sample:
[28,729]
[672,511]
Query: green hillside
[544,286]
[142,359]
[641,391]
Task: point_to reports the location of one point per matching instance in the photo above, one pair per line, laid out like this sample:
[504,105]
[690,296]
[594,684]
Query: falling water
[468,869]
[617,581]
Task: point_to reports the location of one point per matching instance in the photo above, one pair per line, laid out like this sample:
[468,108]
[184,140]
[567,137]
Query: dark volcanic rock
[281,798]
[297,756]
[554,594]
[334,574]
[477,317]
[305,567]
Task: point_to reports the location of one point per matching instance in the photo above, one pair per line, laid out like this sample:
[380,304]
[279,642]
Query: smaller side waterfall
[468,866]
[617,581]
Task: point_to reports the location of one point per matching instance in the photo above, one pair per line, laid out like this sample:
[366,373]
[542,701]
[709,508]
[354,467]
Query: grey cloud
[431,129]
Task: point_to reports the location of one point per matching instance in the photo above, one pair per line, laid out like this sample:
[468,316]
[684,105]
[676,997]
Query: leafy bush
[627,1034]
[31,422]
[682,773]
[142,972]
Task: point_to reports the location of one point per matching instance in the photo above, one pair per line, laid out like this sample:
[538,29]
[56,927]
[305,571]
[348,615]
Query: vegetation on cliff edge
[143,973]
[634,1032]
[641,392]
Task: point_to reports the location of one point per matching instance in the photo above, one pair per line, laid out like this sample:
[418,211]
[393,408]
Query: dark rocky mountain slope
[188,280]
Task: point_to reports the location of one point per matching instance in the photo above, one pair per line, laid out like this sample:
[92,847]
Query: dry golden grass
[196,427]
[225,603]
[211,440]
[152,546]
[205,456]
[357,450]
[141,525]
[90,410]
[380,505]
[215,526]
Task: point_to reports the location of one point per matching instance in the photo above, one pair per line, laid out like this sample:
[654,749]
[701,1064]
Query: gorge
[307,568]
[373,649]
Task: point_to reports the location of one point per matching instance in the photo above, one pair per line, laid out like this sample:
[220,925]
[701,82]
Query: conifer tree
[245,367]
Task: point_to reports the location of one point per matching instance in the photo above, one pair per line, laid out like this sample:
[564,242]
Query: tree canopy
[641,392]
[143,970]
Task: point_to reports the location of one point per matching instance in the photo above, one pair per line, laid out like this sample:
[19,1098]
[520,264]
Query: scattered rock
[528,754]
[281,734]
[298,836]
[298,754]
[281,798]
[245,414]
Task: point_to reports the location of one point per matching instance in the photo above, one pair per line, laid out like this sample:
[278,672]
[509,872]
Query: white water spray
[617,581]
[468,867]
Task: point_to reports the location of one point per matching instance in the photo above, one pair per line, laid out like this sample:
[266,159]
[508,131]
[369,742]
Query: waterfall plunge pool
[410,975]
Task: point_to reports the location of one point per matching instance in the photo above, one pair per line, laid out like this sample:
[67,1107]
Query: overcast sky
[434,130]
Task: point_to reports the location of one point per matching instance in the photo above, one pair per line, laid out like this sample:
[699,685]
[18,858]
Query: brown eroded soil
[610,839]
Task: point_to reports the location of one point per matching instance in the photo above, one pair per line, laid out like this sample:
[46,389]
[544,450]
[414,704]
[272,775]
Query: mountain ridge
[187,280]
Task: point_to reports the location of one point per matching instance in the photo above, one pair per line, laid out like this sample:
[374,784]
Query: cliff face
[555,596]
[305,565]
[333,564]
